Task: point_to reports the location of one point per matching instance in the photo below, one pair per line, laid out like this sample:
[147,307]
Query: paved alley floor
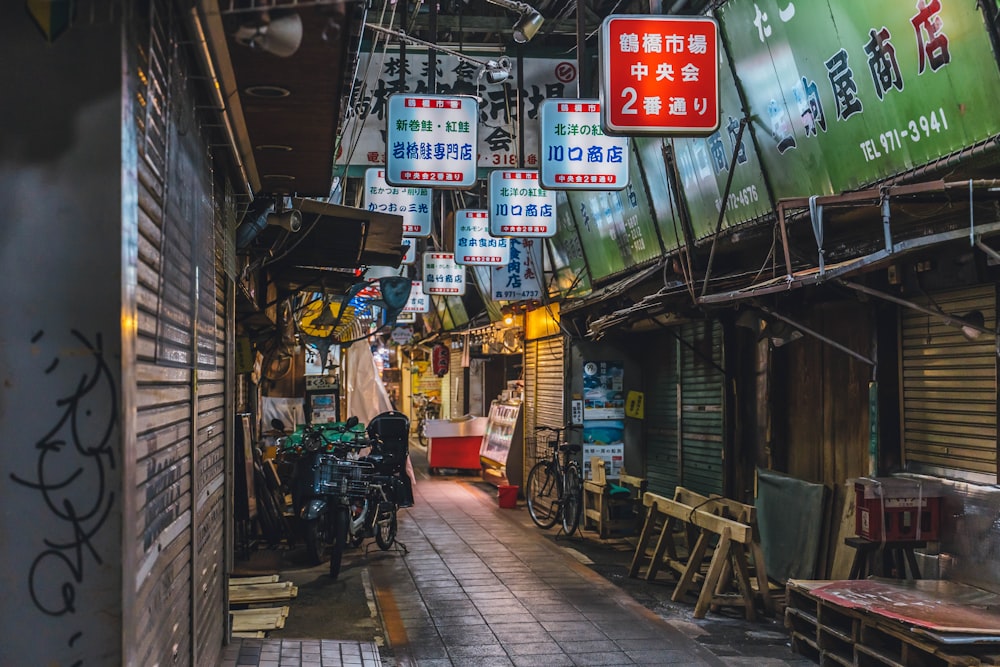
[481,585]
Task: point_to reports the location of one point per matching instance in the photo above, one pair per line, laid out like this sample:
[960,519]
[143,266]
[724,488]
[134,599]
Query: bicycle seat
[572,449]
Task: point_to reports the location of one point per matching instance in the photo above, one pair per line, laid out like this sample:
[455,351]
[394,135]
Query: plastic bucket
[507,496]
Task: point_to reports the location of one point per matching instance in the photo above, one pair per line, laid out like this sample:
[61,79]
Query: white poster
[364,138]
[414,204]
[474,245]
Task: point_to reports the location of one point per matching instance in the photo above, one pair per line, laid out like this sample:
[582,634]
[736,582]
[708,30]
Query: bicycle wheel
[544,488]
[422,432]
[572,495]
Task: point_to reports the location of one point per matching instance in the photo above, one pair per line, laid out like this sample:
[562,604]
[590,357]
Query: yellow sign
[634,404]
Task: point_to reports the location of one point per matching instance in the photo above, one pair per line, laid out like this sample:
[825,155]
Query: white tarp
[366,395]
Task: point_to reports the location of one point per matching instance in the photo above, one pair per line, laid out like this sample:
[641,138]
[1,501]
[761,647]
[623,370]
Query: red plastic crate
[893,509]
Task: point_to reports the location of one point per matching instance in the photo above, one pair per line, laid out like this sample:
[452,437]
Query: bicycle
[555,488]
[425,407]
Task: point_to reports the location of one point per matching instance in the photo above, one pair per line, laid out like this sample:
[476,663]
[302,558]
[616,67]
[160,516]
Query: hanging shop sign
[401,335]
[845,93]
[414,204]
[406,318]
[442,275]
[576,154]
[519,206]
[500,128]
[474,245]
[418,301]
[659,74]
[519,279]
[431,141]
[410,256]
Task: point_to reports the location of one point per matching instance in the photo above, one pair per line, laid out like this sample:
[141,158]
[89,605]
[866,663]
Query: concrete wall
[61,249]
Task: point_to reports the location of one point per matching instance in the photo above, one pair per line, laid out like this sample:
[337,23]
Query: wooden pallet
[261,619]
[276,591]
[831,634]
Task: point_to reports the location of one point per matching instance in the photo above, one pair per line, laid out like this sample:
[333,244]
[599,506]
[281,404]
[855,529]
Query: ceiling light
[972,324]
[280,37]
[529,21]
[268,92]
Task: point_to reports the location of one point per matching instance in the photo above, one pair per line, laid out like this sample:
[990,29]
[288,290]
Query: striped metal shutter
[684,425]
[949,391]
[181,351]
[702,385]
[544,390]
[661,415]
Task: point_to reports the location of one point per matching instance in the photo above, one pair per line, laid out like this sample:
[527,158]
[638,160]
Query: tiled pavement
[481,585]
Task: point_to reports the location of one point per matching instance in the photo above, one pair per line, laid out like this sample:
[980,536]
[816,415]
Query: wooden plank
[738,531]
[284,590]
[257,634]
[262,579]
[259,619]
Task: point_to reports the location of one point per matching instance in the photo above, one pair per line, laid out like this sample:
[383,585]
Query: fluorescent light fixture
[527,24]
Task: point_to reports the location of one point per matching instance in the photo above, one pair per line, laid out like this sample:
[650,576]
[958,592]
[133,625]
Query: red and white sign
[659,75]
[418,301]
[519,206]
[442,275]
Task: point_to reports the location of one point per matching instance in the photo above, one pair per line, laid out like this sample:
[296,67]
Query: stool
[881,559]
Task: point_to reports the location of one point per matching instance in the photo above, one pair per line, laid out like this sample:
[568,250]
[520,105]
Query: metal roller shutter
[684,424]
[544,390]
[457,380]
[661,416]
[702,389]
[949,389]
[179,366]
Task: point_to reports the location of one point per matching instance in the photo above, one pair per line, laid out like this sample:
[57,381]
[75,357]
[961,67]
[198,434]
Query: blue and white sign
[410,256]
[576,154]
[414,204]
[442,275]
[519,206]
[418,301]
[474,246]
[519,279]
[431,141]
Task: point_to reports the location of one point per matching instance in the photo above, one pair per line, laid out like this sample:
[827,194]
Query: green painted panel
[570,269]
[616,228]
[848,92]
[703,167]
[653,165]
[660,423]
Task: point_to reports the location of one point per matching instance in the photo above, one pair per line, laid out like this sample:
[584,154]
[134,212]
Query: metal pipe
[725,202]
[403,37]
[817,335]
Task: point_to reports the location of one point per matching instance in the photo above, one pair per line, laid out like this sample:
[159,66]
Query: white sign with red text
[519,206]
[576,154]
[418,301]
[442,275]
[474,245]
[414,204]
[431,141]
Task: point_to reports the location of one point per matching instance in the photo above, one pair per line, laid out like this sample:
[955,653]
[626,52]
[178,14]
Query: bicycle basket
[334,475]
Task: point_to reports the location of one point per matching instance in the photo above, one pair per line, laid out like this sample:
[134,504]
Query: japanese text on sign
[576,154]
[473,243]
[414,204]
[431,141]
[442,275]
[659,75]
[518,279]
[418,301]
[519,206]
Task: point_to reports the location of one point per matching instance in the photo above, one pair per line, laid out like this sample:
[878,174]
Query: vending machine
[323,398]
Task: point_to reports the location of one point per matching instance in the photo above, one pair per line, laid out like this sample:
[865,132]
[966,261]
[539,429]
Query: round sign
[401,335]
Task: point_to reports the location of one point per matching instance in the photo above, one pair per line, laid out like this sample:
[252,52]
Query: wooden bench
[604,507]
[704,520]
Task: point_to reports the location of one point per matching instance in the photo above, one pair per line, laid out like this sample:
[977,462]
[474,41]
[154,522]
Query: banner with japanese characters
[616,229]
[473,243]
[418,301]
[431,140]
[410,256]
[844,93]
[414,204]
[364,136]
[519,206]
[569,267]
[703,165]
[441,275]
[576,154]
[520,279]
[659,74]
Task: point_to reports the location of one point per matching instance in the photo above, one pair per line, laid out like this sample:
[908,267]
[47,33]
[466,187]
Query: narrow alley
[480,585]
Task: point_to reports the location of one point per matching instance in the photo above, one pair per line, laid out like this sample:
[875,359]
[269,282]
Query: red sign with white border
[659,75]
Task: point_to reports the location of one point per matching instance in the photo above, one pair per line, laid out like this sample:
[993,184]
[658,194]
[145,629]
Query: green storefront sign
[703,165]
[616,228]
[569,267]
[654,167]
[849,92]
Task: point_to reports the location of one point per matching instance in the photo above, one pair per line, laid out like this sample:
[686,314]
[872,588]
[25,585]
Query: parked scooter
[323,479]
